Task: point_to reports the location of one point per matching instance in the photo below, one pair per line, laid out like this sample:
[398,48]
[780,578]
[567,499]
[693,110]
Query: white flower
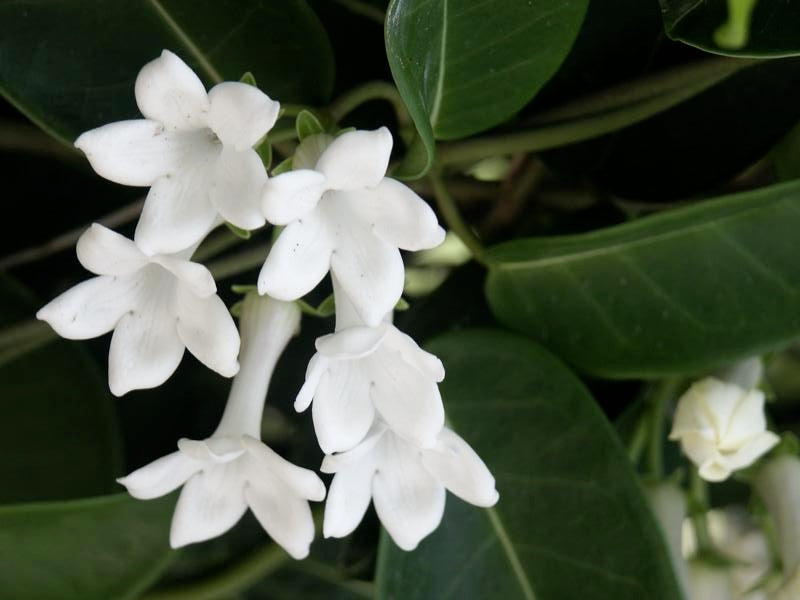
[710,582]
[157,306]
[223,476]
[721,427]
[360,370]
[406,483]
[344,215]
[778,485]
[195,150]
[232,470]
[668,503]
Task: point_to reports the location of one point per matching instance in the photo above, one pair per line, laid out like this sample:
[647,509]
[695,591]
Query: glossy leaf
[70,66]
[92,549]
[769,31]
[463,67]
[680,292]
[59,436]
[571,521]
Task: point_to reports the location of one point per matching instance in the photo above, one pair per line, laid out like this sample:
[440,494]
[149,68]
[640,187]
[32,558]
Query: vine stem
[583,128]
[69,238]
[373,90]
[364,9]
[452,216]
[228,582]
[663,392]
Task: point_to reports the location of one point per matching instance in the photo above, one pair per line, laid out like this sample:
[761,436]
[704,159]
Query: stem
[215,244]
[570,132]
[453,217]
[365,10]
[228,582]
[374,90]
[68,239]
[21,338]
[665,390]
[292,110]
[638,440]
[19,137]
[238,263]
[330,574]
[698,492]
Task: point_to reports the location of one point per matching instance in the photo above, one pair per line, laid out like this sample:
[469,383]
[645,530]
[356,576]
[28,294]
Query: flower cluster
[377,410]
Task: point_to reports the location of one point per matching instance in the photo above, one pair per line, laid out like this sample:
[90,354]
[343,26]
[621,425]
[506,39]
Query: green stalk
[452,216]
[374,90]
[234,579]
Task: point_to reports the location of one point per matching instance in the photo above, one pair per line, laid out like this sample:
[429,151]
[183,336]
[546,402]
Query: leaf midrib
[511,554]
[439,93]
[630,242]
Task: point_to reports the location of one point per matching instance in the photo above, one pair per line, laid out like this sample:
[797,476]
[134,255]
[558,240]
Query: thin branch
[68,239]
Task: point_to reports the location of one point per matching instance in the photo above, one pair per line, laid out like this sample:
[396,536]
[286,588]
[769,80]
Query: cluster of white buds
[376,405]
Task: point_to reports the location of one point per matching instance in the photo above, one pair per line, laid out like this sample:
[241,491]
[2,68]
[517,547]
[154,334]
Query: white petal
[715,470]
[161,476]
[399,217]
[370,446]
[706,406]
[240,114]
[699,448]
[458,467]
[408,500]
[145,349]
[316,367]
[192,275]
[428,364]
[342,409]
[303,482]
[208,330]
[210,504]
[290,196]
[235,187]
[747,420]
[356,159]
[751,451]
[178,212]
[298,260]
[369,270]
[168,91]
[90,308]
[106,252]
[408,401]
[134,152]
[348,499]
[284,516]
[351,343]
[216,449]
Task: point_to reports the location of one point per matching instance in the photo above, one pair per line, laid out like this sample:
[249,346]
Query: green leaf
[680,292]
[464,67]
[769,31]
[307,124]
[571,521]
[282,167]
[96,548]
[62,82]
[786,156]
[59,436]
